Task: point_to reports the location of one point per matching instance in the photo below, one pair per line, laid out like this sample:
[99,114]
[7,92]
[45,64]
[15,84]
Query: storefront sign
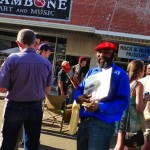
[51,9]
[133,52]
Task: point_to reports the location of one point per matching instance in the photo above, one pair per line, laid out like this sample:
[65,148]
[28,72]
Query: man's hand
[84,98]
[62,92]
[94,107]
[147,98]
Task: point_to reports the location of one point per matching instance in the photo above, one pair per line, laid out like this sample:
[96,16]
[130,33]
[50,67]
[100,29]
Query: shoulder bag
[131,139]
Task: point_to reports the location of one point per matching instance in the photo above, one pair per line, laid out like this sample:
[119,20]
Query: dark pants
[94,134]
[71,95]
[28,114]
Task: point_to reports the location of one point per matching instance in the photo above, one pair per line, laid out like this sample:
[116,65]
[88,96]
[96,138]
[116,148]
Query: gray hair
[26,36]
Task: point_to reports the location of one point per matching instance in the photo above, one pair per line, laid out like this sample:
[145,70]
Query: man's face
[83,64]
[46,54]
[37,43]
[148,69]
[105,57]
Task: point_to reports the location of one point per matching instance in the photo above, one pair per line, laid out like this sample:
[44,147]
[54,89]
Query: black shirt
[66,82]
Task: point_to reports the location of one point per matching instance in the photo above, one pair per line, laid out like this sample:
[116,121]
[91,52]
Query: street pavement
[51,138]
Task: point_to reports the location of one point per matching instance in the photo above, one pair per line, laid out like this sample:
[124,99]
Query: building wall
[127,16]
[82,45]
[78,44]
[130,16]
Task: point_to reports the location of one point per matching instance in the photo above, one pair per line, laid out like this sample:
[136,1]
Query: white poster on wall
[133,52]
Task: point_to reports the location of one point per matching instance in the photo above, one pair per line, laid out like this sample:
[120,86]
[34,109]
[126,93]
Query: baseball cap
[82,58]
[66,66]
[44,46]
[106,46]
[64,63]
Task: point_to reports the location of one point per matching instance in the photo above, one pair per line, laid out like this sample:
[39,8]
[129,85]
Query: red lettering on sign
[39,3]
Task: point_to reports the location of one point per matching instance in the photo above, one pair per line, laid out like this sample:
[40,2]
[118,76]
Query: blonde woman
[137,104]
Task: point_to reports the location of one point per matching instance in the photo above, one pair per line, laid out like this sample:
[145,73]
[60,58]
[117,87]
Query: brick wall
[128,16]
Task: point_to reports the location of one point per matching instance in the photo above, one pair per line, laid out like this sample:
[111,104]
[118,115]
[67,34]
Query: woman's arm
[140,103]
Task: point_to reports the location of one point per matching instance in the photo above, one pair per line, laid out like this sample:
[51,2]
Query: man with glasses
[101,106]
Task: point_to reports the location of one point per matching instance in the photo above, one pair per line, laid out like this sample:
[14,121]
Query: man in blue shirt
[26,76]
[98,116]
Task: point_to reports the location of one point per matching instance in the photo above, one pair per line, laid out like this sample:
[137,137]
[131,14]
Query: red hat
[107,46]
[82,58]
[66,66]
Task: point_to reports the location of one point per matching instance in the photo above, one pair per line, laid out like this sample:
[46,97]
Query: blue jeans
[28,114]
[71,95]
[94,134]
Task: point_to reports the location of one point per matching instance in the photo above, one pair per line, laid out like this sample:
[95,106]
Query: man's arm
[76,71]
[61,77]
[60,84]
[80,89]
[3,90]
[75,78]
[47,90]
[118,103]
[5,76]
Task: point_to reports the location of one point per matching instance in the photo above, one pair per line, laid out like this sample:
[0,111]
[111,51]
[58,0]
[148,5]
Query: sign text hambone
[57,9]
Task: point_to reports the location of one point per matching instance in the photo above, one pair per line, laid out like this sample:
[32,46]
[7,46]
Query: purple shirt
[26,75]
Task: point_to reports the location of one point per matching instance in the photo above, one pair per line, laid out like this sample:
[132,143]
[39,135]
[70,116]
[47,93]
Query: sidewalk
[52,139]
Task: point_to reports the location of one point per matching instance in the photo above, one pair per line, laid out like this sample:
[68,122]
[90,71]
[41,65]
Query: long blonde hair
[134,68]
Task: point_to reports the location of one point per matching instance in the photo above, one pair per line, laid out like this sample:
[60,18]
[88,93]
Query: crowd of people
[70,77]
[107,94]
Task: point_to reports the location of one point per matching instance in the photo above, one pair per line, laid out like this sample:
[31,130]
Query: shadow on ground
[43,147]
[59,134]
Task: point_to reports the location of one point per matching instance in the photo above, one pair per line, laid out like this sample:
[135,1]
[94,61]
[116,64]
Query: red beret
[107,46]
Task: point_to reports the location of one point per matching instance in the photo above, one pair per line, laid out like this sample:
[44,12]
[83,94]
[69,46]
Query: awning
[9,51]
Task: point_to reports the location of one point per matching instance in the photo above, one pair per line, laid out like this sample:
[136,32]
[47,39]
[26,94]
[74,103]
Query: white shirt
[146,83]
